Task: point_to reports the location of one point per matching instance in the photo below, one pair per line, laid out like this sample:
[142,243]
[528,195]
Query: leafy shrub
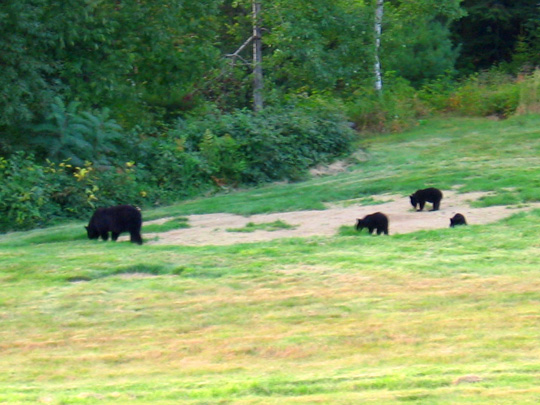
[529,96]
[395,109]
[222,159]
[34,194]
[479,95]
[167,170]
[269,145]
[78,136]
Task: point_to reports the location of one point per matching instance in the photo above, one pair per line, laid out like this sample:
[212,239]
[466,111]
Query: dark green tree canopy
[491,30]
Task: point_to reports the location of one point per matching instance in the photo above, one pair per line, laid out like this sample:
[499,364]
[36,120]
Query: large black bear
[118,219]
[457,219]
[432,195]
[377,221]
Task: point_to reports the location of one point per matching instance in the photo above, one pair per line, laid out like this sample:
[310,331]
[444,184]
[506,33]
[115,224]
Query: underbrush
[216,152]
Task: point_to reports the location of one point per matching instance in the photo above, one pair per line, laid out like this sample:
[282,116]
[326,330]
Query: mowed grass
[446,316]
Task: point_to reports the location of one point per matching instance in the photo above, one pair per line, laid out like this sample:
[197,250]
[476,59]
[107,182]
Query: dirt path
[211,229]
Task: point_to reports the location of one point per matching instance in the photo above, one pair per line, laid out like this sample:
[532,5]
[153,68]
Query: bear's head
[91,232]
[414,202]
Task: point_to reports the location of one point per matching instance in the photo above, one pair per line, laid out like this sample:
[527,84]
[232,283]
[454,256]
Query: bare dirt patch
[211,229]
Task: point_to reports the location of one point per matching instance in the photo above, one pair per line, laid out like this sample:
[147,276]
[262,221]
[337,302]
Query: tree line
[100,84]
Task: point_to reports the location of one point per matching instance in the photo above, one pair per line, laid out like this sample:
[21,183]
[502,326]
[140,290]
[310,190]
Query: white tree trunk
[378,30]
[257,59]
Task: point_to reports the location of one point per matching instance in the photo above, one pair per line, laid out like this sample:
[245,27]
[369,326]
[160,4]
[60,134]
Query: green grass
[346,319]
[172,224]
[265,226]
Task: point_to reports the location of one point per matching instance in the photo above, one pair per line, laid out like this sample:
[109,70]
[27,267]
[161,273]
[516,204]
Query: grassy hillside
[448,316]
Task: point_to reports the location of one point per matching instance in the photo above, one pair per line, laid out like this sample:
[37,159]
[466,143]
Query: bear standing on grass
[118,219]
[377,221]
[432,195]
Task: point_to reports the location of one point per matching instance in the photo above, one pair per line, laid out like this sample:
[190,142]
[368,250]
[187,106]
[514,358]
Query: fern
[78,136]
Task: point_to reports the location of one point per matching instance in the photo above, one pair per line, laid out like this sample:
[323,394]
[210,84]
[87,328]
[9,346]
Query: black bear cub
[457,219]
[118,219]
[377,221]
[432,195]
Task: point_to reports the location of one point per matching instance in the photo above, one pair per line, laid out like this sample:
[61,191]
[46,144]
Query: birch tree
[379,9]
[258,82]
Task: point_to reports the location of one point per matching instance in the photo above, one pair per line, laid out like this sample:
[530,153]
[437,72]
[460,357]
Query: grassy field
[432,317]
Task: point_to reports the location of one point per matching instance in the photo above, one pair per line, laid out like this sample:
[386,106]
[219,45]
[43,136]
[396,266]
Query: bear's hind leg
[114,236]
[436,205]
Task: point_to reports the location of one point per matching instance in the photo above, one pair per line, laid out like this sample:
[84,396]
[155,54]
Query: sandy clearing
[211,229]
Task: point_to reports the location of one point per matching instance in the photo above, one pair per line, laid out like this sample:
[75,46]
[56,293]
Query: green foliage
[33,194]
[529,96]
[77,136]
[274,144]
[416,41]
[222,159]
[26,67]
[398,107]
[490,93]
[490,32]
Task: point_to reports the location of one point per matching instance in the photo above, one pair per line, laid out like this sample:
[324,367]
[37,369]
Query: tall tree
[379,12]
[258,82]
[490,31]
[416,41]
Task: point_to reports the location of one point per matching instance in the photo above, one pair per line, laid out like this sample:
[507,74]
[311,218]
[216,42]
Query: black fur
[432,195]
[118,219]
[457,219]
[377,221]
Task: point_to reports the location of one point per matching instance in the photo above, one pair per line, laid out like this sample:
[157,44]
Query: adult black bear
[457,219]
[432,195]
[377,221]
[118,219]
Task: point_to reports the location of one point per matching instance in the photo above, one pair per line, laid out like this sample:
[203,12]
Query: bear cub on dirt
[457,219]
[118,219]
[432,195]
[377,221]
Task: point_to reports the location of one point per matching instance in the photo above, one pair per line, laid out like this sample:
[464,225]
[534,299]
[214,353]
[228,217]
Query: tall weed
[529,95]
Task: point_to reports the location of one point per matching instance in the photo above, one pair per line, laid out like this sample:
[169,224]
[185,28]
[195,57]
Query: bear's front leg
[114,236]
[105,235]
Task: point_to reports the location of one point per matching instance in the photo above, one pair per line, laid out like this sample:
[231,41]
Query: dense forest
[149,102]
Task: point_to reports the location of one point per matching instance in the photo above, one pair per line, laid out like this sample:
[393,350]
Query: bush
[479,95]
[529,96]
[197,155]
[394,110]
[34,194]
[271,145]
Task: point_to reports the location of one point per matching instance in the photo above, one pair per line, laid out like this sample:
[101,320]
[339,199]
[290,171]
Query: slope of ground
[215,229]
